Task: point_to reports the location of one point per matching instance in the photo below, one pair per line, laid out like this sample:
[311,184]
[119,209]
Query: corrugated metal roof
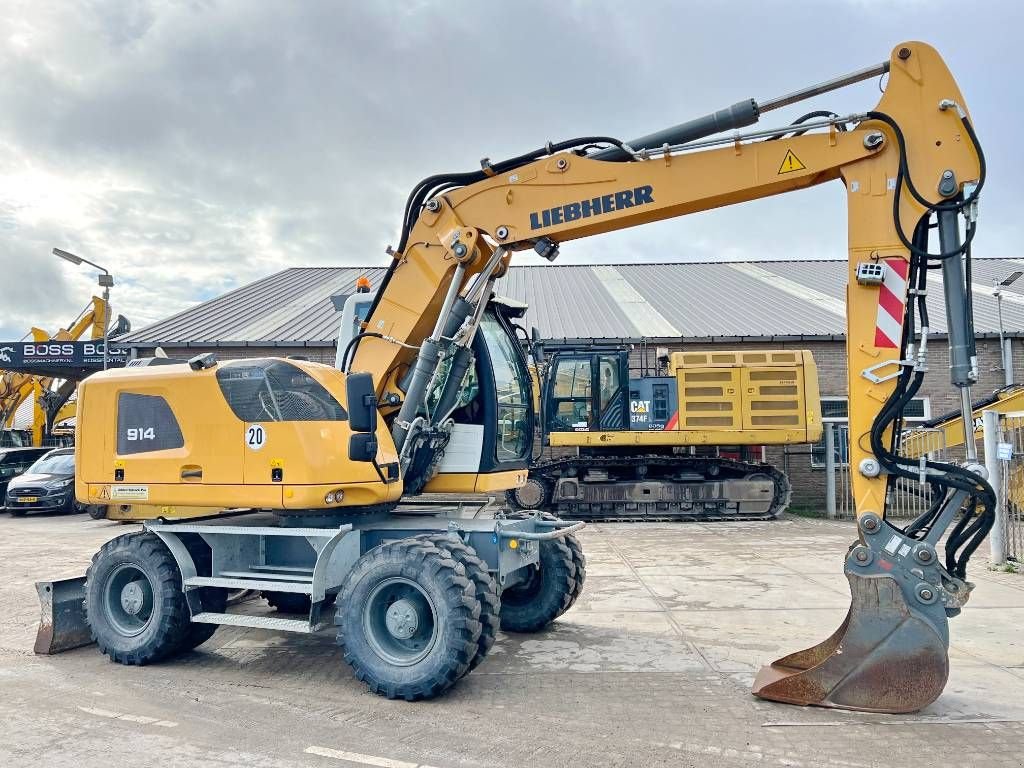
[768,299]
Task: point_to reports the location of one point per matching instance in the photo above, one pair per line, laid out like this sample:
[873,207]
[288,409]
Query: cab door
[588,392]
[570,394]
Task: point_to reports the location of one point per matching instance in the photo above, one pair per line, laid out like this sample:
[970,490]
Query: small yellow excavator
[301,465]
[51,394]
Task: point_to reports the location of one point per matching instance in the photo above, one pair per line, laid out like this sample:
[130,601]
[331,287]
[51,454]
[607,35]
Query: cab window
[512,390]
[276,390]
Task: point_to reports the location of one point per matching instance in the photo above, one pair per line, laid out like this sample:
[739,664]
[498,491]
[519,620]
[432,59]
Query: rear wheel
[408,620]
[133,600]
[486,590]
[97,511]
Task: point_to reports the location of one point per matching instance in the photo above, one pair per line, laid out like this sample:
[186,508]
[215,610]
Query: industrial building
[741,305]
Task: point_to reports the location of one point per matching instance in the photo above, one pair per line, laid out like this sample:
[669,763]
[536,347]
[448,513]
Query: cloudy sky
[194,146]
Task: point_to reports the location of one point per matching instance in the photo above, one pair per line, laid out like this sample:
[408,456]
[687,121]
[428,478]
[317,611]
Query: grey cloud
[209,143]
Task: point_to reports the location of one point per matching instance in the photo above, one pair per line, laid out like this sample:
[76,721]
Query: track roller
[408,620]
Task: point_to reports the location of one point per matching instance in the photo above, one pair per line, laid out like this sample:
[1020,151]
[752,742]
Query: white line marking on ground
[919,721]
[355,757]
[141,719]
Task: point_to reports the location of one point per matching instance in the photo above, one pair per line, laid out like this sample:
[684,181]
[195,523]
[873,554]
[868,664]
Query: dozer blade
[62,625]
[890,653]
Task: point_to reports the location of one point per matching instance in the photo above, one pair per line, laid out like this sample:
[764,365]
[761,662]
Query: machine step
[257,622]
[263,585]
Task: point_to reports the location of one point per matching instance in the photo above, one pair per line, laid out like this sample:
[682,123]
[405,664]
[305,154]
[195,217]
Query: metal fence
[906,498]
[1011,487]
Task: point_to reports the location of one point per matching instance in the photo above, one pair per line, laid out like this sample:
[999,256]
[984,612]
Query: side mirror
[362,403]
[362,447]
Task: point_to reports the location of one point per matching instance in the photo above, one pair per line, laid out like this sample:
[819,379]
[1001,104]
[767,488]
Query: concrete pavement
[651,667]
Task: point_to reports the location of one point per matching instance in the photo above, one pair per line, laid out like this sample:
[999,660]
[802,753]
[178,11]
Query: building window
[835,415]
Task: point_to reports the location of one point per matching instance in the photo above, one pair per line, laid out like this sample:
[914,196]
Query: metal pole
[1007,363]
[106,323]
[830,472]
[1007,350]
[997,537]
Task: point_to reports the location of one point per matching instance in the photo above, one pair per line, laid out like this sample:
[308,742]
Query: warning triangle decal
[791,163]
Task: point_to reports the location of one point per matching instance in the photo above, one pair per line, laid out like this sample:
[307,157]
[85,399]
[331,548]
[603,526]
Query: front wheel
[550,589]
[408,620]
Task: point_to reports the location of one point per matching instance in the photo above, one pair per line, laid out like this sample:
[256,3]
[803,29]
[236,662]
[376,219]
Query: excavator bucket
[62,625]
[890,653]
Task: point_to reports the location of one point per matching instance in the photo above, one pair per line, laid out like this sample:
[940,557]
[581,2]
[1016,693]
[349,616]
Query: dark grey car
[47,486]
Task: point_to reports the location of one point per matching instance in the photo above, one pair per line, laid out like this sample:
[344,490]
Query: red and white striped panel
[892,297]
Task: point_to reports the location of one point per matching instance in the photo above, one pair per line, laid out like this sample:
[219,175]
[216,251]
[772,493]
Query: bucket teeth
[884,657]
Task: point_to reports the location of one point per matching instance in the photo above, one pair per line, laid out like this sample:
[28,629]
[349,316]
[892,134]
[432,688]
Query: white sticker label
[904,550]
[255,437]
[1004,451]
[130,492]
[893,545]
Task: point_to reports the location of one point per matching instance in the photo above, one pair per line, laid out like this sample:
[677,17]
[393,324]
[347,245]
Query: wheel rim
[400,621]
[128,600]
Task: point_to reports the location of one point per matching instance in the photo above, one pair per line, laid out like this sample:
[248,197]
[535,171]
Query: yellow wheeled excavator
[301,465]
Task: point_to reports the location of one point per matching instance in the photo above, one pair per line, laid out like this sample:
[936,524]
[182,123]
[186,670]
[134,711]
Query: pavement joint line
[141,719]
[667,612]
[356,757]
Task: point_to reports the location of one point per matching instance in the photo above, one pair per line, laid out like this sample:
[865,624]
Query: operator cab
[591,391]
[497,391]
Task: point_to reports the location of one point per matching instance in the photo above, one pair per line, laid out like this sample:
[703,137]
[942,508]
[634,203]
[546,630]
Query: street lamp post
[106,280]
[1006,354]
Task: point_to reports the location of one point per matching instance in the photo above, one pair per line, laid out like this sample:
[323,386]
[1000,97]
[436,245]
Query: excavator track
[686,506]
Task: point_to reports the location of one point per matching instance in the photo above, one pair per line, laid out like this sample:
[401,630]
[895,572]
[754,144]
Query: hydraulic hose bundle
[973,525]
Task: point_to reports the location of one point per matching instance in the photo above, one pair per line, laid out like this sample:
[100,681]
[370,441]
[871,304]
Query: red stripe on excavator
[673,423]
[890,302]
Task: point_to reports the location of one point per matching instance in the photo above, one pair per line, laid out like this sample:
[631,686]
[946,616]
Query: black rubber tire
[212,599]
[456,613]
[579,560]
[97,511]
[168,624]
[292,602]
[534,494]
[548,593]
[486,590]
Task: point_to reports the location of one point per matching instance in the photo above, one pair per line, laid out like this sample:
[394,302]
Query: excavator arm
[909,165]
